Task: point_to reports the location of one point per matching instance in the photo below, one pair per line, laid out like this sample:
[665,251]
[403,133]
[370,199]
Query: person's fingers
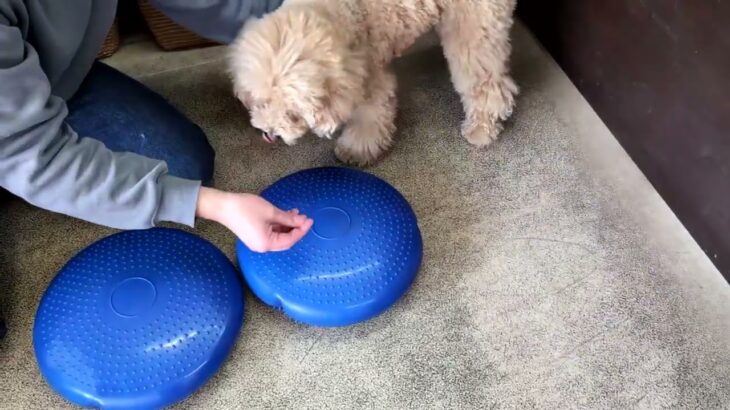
[289,219]
[277,227]
[281,241]
[281,228]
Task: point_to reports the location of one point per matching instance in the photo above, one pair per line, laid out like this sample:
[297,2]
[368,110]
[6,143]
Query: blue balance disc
[139,319]
[359,258]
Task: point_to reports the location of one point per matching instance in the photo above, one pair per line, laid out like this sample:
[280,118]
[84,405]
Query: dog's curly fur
[319,65]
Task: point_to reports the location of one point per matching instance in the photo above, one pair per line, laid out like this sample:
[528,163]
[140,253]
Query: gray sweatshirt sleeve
[43,161]
[218,20]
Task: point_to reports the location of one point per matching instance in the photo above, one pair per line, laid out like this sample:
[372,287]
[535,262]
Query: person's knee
[205,164]
[197,161]
[203,159]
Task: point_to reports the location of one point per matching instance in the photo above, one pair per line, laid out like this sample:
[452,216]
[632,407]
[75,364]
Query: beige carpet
[554,276]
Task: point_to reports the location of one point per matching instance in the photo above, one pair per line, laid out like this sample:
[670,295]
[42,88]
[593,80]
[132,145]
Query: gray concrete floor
[554,275]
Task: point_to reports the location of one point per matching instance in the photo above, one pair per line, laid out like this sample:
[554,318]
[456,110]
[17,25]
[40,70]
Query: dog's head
[296,71]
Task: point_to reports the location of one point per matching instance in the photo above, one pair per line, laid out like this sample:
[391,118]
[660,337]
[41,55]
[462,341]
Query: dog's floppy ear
[324,101]
[321,110]
[333,108]
[329,87]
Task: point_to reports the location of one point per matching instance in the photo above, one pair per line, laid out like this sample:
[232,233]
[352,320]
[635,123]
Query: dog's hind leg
[369,132]
[476,40]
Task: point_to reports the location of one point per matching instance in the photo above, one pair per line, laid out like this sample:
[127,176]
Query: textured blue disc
[139,319]
[359,258]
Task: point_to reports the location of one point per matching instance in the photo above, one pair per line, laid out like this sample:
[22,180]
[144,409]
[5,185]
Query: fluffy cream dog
[321,65]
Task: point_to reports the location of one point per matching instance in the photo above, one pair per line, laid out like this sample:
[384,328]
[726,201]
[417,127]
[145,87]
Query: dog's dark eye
[294,117]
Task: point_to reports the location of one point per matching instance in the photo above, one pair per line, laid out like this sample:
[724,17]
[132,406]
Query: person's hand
[261,226]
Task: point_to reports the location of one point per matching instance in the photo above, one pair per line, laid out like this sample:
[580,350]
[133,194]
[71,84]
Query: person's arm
[43,161]
[218,20]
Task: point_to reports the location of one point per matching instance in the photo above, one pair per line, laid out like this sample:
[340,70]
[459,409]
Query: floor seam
[172,70]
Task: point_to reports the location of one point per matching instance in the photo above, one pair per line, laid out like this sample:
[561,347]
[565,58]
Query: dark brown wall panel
[658,74]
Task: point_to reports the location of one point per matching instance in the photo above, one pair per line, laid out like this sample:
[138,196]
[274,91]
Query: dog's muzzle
[270,137]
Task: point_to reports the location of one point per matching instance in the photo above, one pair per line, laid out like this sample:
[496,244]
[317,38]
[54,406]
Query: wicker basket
[111,43]
[168,34]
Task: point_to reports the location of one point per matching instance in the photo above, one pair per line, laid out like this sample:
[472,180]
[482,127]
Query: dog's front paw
[481,133]
[357,154]
[487,111]
[500,100]
[362,150]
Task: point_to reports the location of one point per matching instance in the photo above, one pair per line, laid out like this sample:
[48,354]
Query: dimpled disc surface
[359,258]
[139,319]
